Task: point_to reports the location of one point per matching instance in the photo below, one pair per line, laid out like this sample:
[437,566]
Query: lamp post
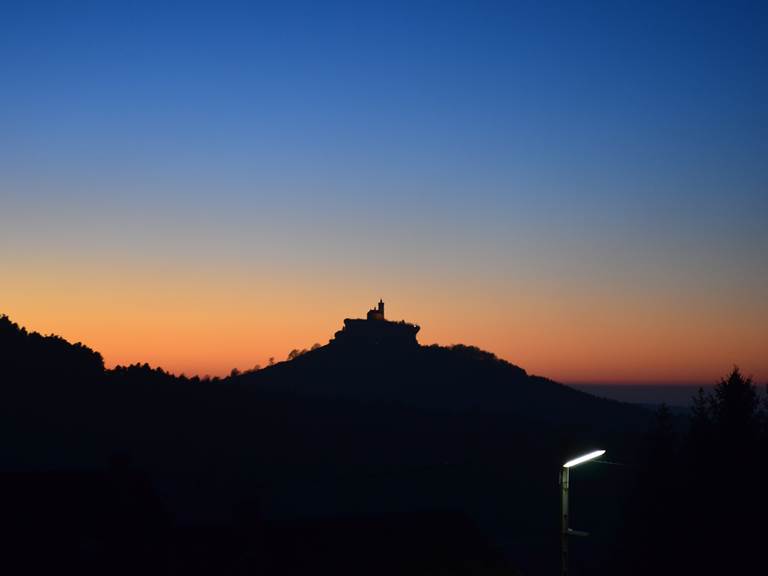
[565,531]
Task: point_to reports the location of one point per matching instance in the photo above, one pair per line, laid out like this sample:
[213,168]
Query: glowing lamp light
[584,458]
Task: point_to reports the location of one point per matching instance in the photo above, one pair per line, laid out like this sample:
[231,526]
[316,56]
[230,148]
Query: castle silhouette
[375,330]
[376,313]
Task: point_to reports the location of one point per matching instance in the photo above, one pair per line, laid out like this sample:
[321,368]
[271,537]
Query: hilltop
[374,360]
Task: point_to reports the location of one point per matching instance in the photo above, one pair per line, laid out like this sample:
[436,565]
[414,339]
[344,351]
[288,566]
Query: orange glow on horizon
[215,327]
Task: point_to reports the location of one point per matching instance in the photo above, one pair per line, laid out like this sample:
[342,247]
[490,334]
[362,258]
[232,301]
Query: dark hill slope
[52,401]
[31,356]
[456,379]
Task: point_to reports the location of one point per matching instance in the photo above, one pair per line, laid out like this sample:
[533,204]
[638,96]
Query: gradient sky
[581,189]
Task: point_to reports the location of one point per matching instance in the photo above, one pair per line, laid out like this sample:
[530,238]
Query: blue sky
[491,150]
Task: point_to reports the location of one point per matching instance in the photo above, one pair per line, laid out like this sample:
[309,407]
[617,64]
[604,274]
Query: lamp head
[584,458]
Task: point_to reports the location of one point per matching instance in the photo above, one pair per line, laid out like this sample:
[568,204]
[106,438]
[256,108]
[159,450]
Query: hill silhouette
[380,362]
[371,435]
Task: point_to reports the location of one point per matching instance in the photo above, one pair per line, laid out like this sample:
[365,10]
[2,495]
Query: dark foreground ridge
[372,454]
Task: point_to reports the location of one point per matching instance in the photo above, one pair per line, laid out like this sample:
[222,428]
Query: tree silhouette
[699,504]
[727,471]
[736,410]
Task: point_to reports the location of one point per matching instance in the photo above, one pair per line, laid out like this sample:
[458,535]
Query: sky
[580,188]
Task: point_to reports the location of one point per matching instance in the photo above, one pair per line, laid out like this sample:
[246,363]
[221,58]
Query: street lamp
[565,531]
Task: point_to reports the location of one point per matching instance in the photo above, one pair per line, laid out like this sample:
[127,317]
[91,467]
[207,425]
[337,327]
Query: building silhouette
[375,330]
[376,313]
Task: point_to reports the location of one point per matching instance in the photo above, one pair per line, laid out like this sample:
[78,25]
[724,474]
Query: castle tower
[377,313]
